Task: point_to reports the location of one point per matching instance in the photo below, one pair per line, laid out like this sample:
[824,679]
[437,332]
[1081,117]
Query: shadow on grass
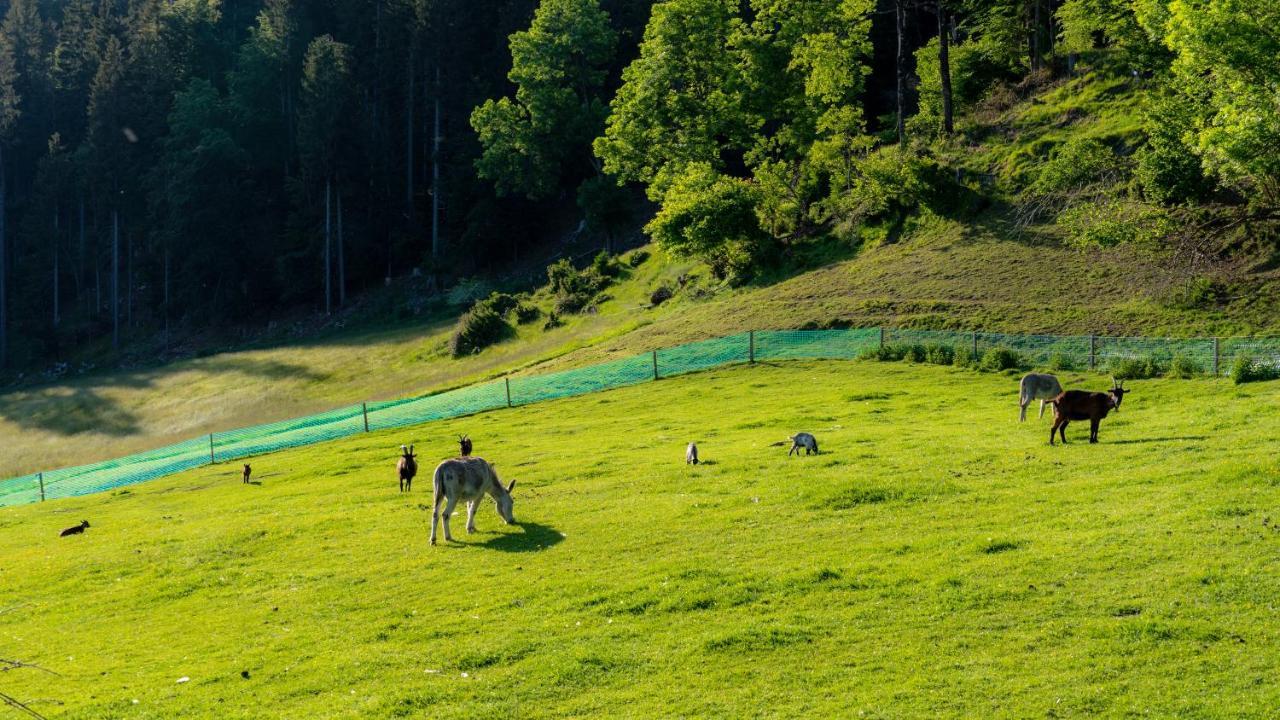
[1143,441]
[535,537]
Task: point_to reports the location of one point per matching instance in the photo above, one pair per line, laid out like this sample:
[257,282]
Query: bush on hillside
[1247,368]
[1184,368]
[1136,368]
[1076,164]
[1062,362]
[574,289]
[937,354]
[965,357]
[998,359]
[481,326]
[526,313]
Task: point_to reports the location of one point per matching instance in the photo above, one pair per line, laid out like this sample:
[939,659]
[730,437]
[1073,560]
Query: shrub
[605,265]
[553,321]
[914,353]
[1184,367]
[937,354]
[574,288]
[1062,362]
[711,216]
[638,257]
[998,359]
[502,303]
[1136,368]
[965,357]
[1247,368]
[527,313]
[884,353]
[1076,164]
[661,295]
[1111,222]
[478,328]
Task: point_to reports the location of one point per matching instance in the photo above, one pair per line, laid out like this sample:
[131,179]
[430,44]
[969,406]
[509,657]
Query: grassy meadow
[938,559]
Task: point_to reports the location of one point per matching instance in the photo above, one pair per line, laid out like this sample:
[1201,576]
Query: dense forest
[178,164]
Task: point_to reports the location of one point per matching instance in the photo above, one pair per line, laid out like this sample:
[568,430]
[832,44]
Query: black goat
[464,446]
[406,468]
[75,529]
[1084,405]
[247,472]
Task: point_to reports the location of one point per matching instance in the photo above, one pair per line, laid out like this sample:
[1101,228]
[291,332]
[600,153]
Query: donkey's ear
[510,485]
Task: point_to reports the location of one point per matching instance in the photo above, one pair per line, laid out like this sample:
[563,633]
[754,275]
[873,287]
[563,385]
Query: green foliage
[1226,54]
[558,68]
[1108,223]
[712,217]
[998,359]
[965,357]
[1137,368]
[1078,163]
[526,313]
[938,354]
[1168,170]
[1184,368]
[1062,362]
[575,289]
[1247,369]
[481,326]
[328,104]
[890,182]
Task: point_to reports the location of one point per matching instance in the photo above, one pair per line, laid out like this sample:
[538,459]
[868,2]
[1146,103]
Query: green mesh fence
[1083,351]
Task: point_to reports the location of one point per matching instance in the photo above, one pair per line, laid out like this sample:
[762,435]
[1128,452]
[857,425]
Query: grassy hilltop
[938,559]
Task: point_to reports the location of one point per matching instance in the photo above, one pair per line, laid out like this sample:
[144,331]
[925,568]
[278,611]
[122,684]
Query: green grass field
[939,559]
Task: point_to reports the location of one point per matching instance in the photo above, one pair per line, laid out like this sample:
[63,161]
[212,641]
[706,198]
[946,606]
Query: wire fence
[1214,355]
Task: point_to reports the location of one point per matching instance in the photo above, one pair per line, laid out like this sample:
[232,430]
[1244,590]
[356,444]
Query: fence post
[655,364]
[211,460]
[1216,357]
[364,408]
[882,336]
[1093,352]
[41,487]
[751,346]
[975,345]
[508,382]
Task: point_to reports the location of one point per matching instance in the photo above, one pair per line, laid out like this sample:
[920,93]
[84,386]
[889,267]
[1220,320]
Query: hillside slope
[976,270]
[938,557]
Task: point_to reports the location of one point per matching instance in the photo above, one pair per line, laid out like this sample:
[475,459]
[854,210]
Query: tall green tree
[558,67]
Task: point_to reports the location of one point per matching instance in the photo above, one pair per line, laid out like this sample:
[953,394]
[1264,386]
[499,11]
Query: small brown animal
[75,529]
[464,446]
[406,468]
[1083,405]
[247,472]
[691,454]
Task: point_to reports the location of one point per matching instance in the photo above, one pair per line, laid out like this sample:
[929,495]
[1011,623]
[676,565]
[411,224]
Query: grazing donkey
[1036,386]
[691,454]
[803,440]
[468,480]
[1083,405]
[75,529]
[406,468]
[244,477]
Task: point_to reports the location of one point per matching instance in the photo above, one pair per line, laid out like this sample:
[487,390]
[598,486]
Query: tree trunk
[328,294]
[4,308]
[408,145]
[128,286]
[80,281]
[166,294]
[342,259]
[57,310]
[1035,35]
[115,279]
[944,68]
[900,21]
[435,176]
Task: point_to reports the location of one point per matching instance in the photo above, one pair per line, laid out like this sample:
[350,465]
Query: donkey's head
[506,506]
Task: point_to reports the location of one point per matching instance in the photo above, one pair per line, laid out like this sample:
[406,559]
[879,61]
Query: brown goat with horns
[1084,405]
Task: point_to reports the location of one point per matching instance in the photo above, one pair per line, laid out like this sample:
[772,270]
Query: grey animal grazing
[1036,386]
[75,529]
[691,454]
[406,468]
[247,472]
[468,480]
[803,441]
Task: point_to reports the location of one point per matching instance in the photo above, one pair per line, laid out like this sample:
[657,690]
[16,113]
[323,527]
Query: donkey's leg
[1041,409]
[471,515]
[435,514]
[448,510]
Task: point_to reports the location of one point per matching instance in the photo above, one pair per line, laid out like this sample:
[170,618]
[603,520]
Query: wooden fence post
[41,487]
[364,408]
[881,336]
[1093,352]
[751,346]
[211,460]
[508,382]
[655,364]
[1217,356]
